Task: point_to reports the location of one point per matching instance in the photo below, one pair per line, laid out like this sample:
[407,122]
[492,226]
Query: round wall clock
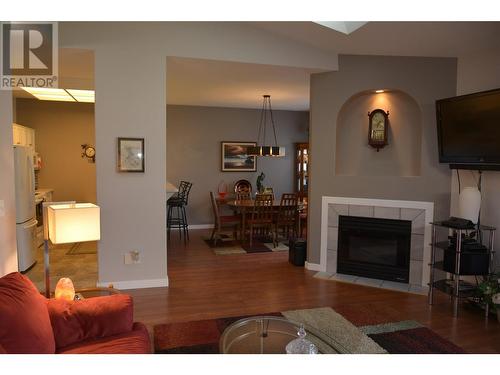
[378,127]
[88,152]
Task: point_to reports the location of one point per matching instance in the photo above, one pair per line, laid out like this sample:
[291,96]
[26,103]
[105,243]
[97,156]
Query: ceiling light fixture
[263,149]
[61,95]
[82,96]
[43,93]
[379,91]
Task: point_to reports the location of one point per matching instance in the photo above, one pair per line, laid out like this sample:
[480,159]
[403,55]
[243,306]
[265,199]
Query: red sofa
[31,323]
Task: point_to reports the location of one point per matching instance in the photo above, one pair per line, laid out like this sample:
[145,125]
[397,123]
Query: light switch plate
[2,208]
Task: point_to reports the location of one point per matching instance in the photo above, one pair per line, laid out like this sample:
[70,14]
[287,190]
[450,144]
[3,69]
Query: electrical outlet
[132,257]
[2,208]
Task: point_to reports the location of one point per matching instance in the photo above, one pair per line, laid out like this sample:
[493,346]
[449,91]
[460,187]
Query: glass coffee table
[270,335]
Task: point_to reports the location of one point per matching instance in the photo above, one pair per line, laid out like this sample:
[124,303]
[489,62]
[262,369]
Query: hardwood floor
[204,285]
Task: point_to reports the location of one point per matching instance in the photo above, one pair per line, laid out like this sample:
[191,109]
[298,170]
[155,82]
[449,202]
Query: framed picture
[130,154]
[234,157]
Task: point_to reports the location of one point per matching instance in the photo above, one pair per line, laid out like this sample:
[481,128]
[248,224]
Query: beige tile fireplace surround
[419,213]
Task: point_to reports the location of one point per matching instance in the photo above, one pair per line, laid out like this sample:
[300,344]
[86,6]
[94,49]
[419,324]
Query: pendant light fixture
[262,149]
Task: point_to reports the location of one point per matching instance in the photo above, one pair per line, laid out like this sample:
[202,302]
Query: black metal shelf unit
[453,285]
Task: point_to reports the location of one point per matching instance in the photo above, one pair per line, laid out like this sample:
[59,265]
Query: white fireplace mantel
[380,208]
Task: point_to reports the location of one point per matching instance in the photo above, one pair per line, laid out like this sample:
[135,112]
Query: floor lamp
[68,222]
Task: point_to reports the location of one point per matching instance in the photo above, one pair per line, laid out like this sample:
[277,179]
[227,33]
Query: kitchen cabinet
[24,136]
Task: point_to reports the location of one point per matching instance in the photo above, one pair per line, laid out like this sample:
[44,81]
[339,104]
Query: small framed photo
[234,157]
[130,154]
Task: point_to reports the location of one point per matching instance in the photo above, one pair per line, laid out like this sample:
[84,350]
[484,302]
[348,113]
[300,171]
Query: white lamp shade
[74,223]
[469,204]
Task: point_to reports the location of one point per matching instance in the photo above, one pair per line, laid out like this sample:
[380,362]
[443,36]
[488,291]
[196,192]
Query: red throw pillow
[91,318]
[24,319]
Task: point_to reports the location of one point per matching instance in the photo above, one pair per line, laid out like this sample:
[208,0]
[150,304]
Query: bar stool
[176,211]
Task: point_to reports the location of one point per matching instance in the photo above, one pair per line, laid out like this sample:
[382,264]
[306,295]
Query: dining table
[245,206]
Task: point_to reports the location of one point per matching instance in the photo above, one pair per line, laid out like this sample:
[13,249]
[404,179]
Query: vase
[222,190]
[469,203]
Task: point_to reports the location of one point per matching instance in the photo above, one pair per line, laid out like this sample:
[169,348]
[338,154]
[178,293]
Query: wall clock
[88,152]
[378,127]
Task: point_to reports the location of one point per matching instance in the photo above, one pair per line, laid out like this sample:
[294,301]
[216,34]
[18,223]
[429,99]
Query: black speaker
[472,262]
[297,251]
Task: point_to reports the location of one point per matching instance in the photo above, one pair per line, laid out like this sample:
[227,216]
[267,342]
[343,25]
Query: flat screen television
[469,130]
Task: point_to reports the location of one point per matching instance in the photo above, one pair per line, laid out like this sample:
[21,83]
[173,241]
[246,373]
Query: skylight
[343,27]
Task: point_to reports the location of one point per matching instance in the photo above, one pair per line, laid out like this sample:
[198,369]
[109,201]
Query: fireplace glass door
[374,248]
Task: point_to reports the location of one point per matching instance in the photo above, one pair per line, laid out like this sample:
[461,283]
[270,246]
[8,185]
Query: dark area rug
[381,336]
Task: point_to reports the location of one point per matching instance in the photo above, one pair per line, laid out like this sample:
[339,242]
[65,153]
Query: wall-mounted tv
[469,130]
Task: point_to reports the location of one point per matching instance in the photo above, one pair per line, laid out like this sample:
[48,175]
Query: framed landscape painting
[234,157]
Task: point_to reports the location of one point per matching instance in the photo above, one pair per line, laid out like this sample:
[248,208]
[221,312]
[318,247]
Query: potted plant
[496,304]
[488,293]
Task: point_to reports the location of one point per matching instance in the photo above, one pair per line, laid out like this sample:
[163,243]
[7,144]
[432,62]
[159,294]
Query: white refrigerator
[25,207]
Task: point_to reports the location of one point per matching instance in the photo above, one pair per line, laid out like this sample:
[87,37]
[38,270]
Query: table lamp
[469,204]
[68,222]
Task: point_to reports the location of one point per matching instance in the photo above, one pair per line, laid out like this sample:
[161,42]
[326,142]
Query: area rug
[228,246]
[349,330]
[82,248]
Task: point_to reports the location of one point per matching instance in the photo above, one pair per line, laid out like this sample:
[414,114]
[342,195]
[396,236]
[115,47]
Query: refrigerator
[25,207]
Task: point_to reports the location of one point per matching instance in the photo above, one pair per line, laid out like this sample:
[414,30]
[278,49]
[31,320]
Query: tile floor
[79,263]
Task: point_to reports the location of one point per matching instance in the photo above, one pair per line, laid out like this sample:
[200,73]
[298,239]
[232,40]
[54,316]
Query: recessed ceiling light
[379,91]
[44,93]
[83,96]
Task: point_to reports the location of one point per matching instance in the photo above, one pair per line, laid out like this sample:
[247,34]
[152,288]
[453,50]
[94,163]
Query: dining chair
[222,221]
[268,190]
[242,186]
[287,217]
[243,195]
[262,217]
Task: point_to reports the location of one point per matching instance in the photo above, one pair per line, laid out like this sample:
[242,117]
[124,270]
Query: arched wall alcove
[401,157]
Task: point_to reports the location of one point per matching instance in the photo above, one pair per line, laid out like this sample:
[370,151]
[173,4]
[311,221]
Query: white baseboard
[313,266]
[135,284]
[200,226]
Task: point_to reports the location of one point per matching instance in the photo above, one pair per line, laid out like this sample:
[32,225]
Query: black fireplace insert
[374,248]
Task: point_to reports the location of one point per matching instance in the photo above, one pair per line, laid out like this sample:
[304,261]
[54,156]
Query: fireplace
[374,247]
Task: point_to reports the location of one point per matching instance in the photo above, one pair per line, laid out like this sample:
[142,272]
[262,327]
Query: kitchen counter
[43,195]
[43,191]
[171,189]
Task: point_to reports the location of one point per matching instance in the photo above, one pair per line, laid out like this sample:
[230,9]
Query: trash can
[297,251]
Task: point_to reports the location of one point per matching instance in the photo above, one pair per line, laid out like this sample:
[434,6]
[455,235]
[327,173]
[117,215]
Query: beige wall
[130,80]
[193,150]
[8,249]
[401,157]
[60,130]
[424,80]
[480,72]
